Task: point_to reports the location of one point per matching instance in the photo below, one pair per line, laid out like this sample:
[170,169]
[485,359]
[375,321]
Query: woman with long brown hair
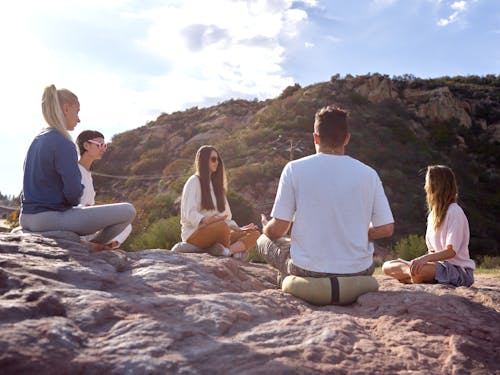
[447,260]
[206,217]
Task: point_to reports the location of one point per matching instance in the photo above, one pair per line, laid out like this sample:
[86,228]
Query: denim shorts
[447,273]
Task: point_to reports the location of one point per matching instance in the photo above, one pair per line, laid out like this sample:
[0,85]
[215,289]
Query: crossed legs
[220,232]
[401,271]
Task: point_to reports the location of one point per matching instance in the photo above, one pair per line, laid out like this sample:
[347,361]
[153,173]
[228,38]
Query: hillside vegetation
[399,125]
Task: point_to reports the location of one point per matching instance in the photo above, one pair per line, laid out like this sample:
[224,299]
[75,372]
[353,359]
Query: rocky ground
[65,309]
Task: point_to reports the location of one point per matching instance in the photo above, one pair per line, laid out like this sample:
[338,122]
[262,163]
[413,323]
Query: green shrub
[163,234]
[358,99]
[410,247]
[289,91]
[254,256]
[243,212]
[490,262]
[443,134]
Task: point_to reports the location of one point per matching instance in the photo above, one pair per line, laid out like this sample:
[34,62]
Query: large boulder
[438,105]
[375,88]
[66,309]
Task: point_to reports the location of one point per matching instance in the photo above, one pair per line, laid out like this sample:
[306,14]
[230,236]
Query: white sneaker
[218,250]
[243,256]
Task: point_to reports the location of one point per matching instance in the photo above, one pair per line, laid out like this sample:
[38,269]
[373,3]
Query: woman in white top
[447,260]
[91,147]
[206,218]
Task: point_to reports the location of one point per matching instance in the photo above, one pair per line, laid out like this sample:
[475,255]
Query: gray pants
[277,254]
[108,220]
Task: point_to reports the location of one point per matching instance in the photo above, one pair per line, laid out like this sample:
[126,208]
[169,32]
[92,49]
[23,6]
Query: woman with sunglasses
[205,214]
[52,180]
[92,147]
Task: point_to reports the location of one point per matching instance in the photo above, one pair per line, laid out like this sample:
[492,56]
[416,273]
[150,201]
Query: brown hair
[330,123]
[86,136]
[441,189]
[218,179]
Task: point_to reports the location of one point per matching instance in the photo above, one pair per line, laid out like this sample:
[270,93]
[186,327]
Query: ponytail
[52,100]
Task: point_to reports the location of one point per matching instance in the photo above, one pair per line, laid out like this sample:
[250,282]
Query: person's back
[335,197]
[337,205]
[51,179]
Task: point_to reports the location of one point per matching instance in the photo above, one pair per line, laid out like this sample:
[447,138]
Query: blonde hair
[441,189]
[52,101]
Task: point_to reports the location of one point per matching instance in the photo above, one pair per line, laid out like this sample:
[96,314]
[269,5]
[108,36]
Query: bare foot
[406,280]
[113,245]
[96,246]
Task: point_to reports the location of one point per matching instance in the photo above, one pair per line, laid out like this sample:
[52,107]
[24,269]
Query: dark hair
[218,179]
[86,136]
[330,123]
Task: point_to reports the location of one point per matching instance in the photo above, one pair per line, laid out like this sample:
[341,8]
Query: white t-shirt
[88,195]
[191,211]
[333,198]
[453,231]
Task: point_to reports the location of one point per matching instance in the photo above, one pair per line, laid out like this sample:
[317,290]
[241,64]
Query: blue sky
[129,61]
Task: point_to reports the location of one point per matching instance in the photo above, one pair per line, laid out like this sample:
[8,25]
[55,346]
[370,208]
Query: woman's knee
[387,267]
[130,211]
[220,227]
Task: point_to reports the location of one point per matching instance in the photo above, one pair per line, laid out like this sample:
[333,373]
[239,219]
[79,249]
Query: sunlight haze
[130,61]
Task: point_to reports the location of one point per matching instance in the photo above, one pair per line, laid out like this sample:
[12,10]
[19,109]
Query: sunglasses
[214,159]
[100,145]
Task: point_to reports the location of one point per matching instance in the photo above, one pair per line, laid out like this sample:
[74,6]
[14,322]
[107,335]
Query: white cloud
[459,8]
[104,51]
[333,39]
[217,49]
[308,44]
[311,3]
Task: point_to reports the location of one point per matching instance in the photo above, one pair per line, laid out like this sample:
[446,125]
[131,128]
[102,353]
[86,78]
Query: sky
[129,61]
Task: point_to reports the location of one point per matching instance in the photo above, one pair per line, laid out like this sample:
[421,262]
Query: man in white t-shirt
[336,203]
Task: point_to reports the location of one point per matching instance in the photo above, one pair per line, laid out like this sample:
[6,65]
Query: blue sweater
[52,179]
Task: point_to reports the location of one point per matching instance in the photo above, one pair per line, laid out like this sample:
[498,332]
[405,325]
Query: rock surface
[65,309]
[439,105]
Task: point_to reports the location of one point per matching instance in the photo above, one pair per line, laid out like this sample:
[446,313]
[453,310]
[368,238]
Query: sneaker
[243,256]
[218,250]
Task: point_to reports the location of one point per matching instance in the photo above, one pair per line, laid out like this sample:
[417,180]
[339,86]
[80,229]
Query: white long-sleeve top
[88,195]
[191,211]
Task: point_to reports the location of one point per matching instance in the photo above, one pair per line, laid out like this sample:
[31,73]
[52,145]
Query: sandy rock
[67,309]
[439,105]
[205,137]
[375,88]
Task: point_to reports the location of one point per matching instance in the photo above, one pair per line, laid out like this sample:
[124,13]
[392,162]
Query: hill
[399,125]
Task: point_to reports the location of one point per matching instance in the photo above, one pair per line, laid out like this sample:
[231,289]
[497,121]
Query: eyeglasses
[214,159]
[100,145]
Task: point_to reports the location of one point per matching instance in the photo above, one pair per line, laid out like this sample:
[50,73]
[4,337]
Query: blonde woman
[447,260]
[205,214]
[52,181]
